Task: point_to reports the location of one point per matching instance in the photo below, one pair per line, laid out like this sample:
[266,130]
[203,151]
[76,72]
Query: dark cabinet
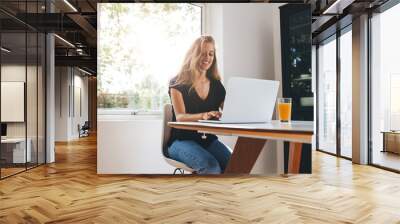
[296,68]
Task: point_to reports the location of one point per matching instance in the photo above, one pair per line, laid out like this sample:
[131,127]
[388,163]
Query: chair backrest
[167,117]
[86,125]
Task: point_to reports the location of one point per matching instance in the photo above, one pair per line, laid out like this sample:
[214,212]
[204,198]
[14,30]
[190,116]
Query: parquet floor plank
[70,191]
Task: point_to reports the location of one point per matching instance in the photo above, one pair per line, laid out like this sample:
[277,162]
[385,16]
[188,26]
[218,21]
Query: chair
[84,130]
[167,117]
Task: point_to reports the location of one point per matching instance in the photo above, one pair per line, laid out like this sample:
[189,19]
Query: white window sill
[127,115]
[128,112]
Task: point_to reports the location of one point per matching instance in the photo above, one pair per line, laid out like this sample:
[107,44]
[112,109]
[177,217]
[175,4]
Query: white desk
[18,150]
[252,138]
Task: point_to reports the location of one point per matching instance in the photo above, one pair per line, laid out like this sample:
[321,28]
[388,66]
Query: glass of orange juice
[285,109]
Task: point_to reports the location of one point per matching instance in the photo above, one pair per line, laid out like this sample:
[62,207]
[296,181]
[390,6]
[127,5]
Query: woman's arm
[180,112]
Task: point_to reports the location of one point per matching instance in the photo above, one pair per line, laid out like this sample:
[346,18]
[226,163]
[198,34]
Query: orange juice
[285,111]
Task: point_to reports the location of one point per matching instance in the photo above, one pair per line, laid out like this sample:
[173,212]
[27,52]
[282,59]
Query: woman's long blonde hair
[190,65]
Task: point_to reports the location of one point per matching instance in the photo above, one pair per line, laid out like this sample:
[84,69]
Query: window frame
[371,14]
[41,37]
[333,37]
[150,113]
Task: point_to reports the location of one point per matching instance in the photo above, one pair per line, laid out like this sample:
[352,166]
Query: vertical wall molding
[50,99]
[360,90]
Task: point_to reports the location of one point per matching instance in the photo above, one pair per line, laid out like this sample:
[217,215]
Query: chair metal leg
[180,171]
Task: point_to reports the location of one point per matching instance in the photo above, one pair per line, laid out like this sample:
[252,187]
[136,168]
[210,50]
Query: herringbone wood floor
[69,191]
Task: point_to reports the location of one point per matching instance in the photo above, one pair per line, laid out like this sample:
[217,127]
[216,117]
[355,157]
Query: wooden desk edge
[294,136]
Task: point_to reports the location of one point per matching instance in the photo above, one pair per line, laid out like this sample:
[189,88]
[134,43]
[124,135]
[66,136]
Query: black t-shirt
[193,105]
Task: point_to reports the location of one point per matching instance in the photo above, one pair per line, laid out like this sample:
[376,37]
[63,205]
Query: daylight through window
[141,47]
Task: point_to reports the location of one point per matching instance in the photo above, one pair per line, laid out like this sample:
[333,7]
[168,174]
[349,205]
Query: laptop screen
[3,129]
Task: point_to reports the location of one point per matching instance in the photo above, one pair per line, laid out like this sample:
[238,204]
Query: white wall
[130,145]
[69,82]
[250,40]
[62,80]
[79,117]
[12,73]
[213,25]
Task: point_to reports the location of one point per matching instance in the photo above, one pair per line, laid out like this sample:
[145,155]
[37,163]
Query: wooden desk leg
[294,157]
[244,155]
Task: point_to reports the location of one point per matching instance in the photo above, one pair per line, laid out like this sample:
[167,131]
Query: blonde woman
[198,94]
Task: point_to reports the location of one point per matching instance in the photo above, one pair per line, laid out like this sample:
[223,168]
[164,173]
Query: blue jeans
[210,160]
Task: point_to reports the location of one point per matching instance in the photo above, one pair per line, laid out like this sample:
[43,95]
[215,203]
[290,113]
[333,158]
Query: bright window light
[142,46]
[327,96]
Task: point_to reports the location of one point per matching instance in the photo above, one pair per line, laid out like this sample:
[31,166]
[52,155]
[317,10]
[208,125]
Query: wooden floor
[387,159]
[69,191]
[5,172]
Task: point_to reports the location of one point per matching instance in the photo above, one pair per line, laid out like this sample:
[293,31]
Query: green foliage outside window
[141,46]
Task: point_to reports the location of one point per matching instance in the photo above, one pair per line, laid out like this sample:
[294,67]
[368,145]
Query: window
[346,93]
[22,78]
[327,95]
[394,101]
[385,87]
[141,47]
[335,94]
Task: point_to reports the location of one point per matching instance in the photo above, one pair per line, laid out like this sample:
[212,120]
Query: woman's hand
[212,115]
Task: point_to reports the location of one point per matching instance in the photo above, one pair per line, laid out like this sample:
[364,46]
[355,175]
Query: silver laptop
[248,101]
